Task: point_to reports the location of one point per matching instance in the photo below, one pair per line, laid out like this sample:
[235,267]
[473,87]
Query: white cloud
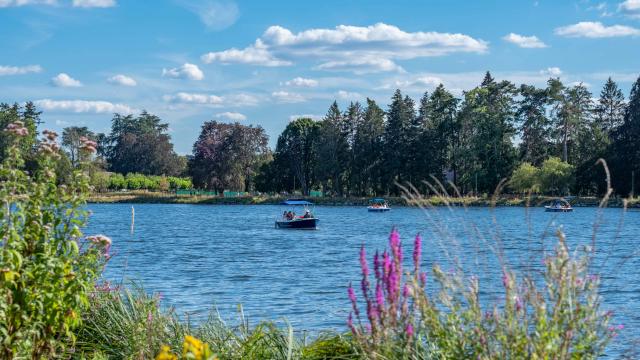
[594,30]
[529,42]
[348,95]
[307,116]
[551,71]
[420,81]
[215,15]
[235,116]
[83,106]
[362,66]
[347,47]
[302,82]
[94,3]
[241,100]
[630,8]
[186,71]
[122,80]
[19,70]
[194,98]
[11,3]
[287,97]
[257,54]
[64,80]
[234,100]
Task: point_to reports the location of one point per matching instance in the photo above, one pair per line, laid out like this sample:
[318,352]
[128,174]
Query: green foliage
[112,181]
[525,179]
[47,267]
[141,145]
[556,175]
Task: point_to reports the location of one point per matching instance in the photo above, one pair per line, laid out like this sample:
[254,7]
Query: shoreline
[147,197]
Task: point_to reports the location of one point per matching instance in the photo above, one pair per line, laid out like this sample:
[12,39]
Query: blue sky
[265,62]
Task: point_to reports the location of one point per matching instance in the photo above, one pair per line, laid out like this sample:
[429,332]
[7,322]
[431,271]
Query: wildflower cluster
[559,319]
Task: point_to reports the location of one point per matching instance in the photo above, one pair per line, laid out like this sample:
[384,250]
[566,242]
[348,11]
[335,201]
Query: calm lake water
[201,256]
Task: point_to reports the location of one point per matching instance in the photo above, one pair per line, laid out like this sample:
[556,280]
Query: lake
[201,256]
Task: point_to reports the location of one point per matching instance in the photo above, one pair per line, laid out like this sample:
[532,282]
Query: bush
[560,318]
[47,267]
[525,179]
[556,175]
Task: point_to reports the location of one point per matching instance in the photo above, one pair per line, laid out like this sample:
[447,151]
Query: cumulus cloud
[348,95]
[347,47]
[94,3]
[287,97]
[234,100]
[186,71]
[361,66]
[83,106]
[229,115]
[19,70]
[194,98]
[529,42]
[551,71]
[420,81]
[594,30]
[122,80]
[12,3]
[257,54]
[305,116]
[630,8]
[301,82]
[64,80]
[215,15]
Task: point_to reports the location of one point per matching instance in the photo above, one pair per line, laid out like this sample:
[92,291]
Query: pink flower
[409,331]
[379,297]
[363,262]
[352,294]
[423,278]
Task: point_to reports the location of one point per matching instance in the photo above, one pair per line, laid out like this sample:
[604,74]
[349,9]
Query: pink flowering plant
[47,267]
[557,316]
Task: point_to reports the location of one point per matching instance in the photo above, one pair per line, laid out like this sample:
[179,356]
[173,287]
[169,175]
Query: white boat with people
[559,205]
[378,205]
[290,220]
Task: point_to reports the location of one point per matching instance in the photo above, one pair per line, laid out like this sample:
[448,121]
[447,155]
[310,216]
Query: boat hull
[552,209]
[373,209]
[298,224]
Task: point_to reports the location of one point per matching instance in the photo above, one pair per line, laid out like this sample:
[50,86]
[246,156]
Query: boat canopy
[296,202]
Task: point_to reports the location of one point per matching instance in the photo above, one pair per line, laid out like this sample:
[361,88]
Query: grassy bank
[151,197]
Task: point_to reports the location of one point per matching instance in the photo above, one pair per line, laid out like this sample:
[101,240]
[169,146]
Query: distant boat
[559,205]
[378,205]
[289,219]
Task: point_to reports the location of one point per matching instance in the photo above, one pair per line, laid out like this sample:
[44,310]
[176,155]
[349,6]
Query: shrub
[47,267]
[561,318]
[525,179]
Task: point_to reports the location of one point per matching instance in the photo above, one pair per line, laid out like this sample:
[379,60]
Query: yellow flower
[193,348]
[165,354]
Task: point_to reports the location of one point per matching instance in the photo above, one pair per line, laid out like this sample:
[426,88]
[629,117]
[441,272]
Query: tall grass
[127,323]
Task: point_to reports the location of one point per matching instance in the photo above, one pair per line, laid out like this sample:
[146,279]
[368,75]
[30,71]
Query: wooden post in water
[133,217]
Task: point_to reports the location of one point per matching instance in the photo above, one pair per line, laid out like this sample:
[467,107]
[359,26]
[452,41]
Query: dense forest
[529,139]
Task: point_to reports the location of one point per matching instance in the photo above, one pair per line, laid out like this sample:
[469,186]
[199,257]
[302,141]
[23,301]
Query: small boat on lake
[559,205]
[378,205]
[290,220]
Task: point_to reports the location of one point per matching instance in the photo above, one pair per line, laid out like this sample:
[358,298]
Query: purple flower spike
[405,291]
[376,265]
[518,303]
[409,331]
[379,297]
[423,278]
[363,262]
[505,280]
[352,295]
[417,251]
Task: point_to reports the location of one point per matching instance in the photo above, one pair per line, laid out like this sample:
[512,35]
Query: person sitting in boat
[307,215]
[290,215]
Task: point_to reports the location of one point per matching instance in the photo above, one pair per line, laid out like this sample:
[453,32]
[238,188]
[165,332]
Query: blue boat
[559,205]
[290,220]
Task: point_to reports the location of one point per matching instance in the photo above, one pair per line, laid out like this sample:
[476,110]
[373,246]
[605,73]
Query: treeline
[474,142]
[545,139]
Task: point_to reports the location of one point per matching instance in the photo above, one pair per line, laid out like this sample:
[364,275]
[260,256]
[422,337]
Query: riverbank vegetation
[547,140]
[53,303]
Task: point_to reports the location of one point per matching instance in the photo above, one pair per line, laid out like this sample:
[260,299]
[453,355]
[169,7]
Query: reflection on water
[201,256]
